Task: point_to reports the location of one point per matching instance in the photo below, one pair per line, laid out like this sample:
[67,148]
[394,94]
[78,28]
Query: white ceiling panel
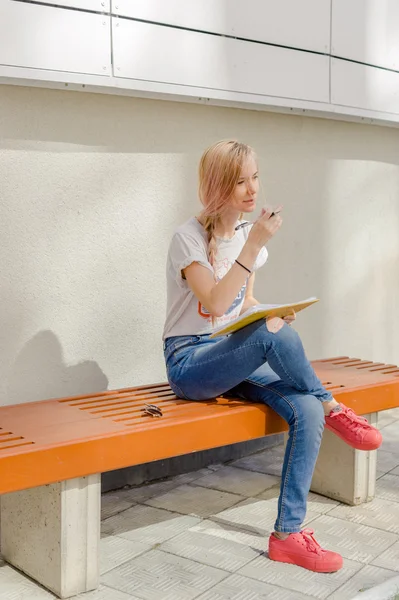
[175,56]
[42,37]
[303,24]
[366,31]
[364,87]
[95,5]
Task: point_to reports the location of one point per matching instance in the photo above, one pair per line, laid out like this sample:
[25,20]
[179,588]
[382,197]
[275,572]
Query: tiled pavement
[203,535]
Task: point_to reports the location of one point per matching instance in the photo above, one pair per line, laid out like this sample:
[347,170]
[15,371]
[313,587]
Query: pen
[241,225]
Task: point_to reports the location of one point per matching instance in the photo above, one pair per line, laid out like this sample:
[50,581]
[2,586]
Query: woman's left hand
[289,319]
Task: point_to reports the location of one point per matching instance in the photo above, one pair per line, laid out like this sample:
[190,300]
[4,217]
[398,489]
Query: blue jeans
[271,368]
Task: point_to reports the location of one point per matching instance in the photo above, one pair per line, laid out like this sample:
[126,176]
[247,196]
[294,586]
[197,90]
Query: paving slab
[389,559]
[254,515]
[390,438]
[204,544]
[269,461]
[387,417]
[190,500]
[388,487]
[115,551]
[364,579]
[237,587]
[143,492]
[239,481]
[387,461]
[106,593]
[114,503]
[147,525]
[228,531]
[315,585]
[316,503]
[158,575]
[16,586]
[354,541]
[380,513]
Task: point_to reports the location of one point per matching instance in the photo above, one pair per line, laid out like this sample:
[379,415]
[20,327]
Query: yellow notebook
[255,313]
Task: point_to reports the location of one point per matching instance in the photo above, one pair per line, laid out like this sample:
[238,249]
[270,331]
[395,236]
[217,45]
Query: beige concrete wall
[91,188]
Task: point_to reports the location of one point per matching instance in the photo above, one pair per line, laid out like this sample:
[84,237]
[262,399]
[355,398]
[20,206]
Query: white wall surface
[91,189]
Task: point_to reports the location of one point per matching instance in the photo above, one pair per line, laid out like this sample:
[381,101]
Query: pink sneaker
[301,549]
[354,430]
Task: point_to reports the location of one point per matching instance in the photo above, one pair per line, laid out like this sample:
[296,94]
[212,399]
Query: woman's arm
[217,298]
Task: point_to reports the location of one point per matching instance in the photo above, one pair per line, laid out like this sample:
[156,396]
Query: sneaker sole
[310,565]
[364,447]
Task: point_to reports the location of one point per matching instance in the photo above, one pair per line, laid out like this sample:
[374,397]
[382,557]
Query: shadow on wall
[40,372]
[112,179]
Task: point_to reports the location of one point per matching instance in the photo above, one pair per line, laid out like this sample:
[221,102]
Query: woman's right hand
[265,227]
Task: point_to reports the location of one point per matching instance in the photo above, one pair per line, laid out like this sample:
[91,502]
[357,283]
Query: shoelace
[351,416]
[311,544]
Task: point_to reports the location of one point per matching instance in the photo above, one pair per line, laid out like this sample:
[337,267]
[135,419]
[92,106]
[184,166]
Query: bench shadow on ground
[41,372]
[128,515]
[133,519]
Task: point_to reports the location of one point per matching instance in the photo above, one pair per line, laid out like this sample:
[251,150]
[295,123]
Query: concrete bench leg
[343,473]
[52,534]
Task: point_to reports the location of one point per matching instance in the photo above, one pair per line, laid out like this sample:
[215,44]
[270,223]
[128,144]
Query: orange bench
[52,454]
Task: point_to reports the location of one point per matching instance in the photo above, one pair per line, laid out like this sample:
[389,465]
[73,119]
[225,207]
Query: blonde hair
[219,171]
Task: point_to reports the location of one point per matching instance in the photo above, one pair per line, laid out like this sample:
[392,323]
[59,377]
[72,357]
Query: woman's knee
[286,336]
[309,412]
[284,340]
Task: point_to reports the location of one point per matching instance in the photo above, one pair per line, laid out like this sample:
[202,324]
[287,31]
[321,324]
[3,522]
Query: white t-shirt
[185,315]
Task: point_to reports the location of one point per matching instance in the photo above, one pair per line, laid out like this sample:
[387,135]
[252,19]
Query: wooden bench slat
[103,397]
[53,440]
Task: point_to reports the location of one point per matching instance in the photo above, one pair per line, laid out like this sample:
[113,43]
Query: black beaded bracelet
[238,263]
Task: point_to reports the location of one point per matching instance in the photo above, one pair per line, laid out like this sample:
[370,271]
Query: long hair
[219,171]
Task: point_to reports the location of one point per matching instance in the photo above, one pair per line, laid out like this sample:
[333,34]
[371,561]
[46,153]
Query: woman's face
[246,191]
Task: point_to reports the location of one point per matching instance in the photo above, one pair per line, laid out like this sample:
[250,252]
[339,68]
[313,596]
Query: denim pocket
[176,349]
